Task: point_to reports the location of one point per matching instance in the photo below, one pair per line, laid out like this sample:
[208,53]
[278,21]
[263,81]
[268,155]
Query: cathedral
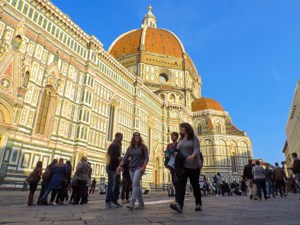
[62,95]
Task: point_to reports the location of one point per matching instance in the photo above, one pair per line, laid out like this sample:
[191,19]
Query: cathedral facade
[62,95]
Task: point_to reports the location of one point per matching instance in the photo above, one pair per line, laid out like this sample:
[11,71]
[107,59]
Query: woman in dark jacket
[33,179]
[57,182]
[189,162]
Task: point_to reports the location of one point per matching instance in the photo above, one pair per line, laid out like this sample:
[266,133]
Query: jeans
[113,186]
[136,176]
[260,185]
[269,188]
[44,187]
[193,175]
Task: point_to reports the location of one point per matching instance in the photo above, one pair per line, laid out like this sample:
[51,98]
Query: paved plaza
[216,211]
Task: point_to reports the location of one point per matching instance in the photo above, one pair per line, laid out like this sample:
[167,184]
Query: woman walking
[188,149]
[58,176]
[33,179]
[139,157]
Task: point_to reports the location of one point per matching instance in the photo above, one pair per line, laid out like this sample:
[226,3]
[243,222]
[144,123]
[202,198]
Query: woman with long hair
[33,179]
[188,149]
[139,157]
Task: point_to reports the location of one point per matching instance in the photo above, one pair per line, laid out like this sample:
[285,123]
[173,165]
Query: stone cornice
[65,21]
[112,61]
[210,112]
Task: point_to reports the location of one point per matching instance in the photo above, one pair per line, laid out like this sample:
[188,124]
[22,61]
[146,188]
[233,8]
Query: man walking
[248,177]
[113,160]
[296,169]
[279,177]
[269,181]
[93,186]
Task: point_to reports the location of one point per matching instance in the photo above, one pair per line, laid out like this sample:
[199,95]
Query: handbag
[30,177]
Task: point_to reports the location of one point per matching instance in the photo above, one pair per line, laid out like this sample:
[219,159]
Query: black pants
[260,185]
[280,185]
[173,177]
[80,191]
[180,185]
[58,193]
[92,189]
[33,185]
[126,188]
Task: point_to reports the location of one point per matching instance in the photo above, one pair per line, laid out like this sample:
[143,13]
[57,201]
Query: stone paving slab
[233,210]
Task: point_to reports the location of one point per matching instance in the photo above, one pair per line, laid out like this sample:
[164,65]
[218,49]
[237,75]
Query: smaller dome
[205,104]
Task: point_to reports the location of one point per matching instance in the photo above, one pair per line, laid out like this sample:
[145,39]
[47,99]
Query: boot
[30,200]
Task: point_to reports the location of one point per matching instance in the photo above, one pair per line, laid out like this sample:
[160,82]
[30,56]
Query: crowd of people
[184,160]
[269,182]
[56,180]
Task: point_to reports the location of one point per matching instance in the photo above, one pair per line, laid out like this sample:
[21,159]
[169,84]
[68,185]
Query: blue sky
[247,53]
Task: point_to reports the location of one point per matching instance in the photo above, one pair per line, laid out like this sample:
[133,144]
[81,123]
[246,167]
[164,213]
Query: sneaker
[124,201]
[142,206]
[117,204]
[111,205]
[131,207]
[198,207]
[251,196]
[176,207]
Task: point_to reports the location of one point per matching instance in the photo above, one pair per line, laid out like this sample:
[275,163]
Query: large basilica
[63,95]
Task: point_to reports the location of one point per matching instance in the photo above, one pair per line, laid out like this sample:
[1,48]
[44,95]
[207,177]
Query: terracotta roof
[158,41]
[206,103]
[162,42]
[127,44]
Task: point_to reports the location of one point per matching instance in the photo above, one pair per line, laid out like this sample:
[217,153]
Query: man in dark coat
[113,160]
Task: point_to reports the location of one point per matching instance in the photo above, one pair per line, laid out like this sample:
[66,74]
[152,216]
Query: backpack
[47,174]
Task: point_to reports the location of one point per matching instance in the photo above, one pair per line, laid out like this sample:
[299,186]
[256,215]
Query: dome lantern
[149,19]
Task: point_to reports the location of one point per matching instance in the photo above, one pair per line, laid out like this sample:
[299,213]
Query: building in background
[63,95]
[292,128]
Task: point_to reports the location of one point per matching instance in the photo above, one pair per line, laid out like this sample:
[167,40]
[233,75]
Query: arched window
[110,131]
[43,115]
[234,163]
[172,98]
[218,129]
[16,43]
[199,129]
[25,79]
